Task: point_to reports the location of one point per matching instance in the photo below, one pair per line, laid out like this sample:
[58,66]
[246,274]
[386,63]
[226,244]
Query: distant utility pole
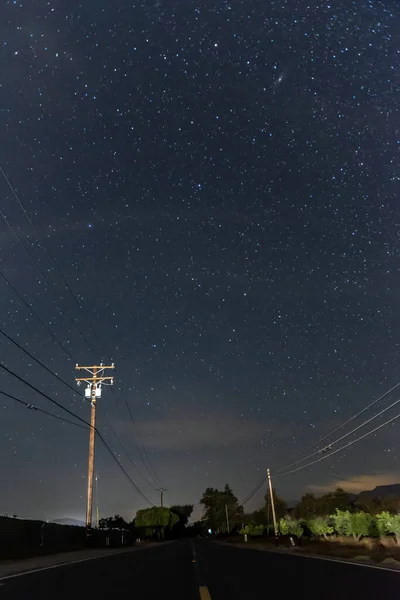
[92,391]
[227,518]
[162,490]
[97,501]
[272,506]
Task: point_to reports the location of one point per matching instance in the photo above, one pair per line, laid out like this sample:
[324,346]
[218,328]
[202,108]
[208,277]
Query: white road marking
[64,564]
[342,561]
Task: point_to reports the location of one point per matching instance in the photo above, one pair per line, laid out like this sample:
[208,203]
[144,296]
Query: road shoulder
[12,568]
[361,561]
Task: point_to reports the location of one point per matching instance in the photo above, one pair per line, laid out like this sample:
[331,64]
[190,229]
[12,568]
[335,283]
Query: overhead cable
[291,463]
[47,250]
[7,370]
[34,313]
[343,436]
[255,490]
[326,456]
[41,410]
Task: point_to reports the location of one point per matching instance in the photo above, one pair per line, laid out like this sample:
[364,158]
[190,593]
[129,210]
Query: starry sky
[218,184]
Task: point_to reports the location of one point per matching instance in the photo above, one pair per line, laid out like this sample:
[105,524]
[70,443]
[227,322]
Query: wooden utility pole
[272,506]
[227,518]
[97,502]
[162,490]
[92,392]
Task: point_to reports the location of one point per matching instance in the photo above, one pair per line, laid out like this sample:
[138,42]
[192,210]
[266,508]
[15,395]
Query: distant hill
[67,521]
[382,491]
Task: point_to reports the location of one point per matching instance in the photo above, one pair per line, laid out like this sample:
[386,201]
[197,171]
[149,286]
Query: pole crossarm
[99,367]
[98,379]
[95,370]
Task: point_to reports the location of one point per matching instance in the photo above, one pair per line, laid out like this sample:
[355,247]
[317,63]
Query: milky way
[218,183]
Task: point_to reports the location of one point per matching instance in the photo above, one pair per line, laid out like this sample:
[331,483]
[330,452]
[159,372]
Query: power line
[2,366]
[255,490]
[290,463]
[342,448]
[32,310]
[37,409]
[152,471]
[61,275]
[104,413]
[149,464]
[343,436]
[39,362]
[43,276]
[123,470]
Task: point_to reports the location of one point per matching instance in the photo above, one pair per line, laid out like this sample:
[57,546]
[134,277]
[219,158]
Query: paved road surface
[188,570]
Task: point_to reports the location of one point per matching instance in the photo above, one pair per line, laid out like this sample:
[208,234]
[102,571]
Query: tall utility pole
[162,490]
[93,391]
[272,506]
[227,518]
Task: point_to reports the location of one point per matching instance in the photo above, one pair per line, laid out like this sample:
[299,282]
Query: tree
[212,508]
[290,526]
[362,524]
[357,524]
[156,519]
[258,517]
[320,526]
[338,499]
[311,506]
[198,528]
[281,506]
[306,508]
[215,504]
[388,523]
[235,511]
[377,504]
[183,513]
[115,522]
[342,522]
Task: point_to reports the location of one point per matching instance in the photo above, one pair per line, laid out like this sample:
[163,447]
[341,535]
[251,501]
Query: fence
[21,538]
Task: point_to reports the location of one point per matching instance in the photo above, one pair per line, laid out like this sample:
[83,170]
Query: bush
[362,524]
[320,526]
[254,530]
[388,523]
[290,526]
[342,522]
[357,524]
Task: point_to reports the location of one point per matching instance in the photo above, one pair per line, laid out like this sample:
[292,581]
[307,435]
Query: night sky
[218,183]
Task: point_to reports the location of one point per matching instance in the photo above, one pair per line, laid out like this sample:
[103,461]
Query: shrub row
[344,523]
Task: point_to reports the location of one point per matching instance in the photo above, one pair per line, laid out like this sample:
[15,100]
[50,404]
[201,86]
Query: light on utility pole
[93,391]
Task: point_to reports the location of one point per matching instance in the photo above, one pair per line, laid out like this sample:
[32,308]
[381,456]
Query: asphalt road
[203,570]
